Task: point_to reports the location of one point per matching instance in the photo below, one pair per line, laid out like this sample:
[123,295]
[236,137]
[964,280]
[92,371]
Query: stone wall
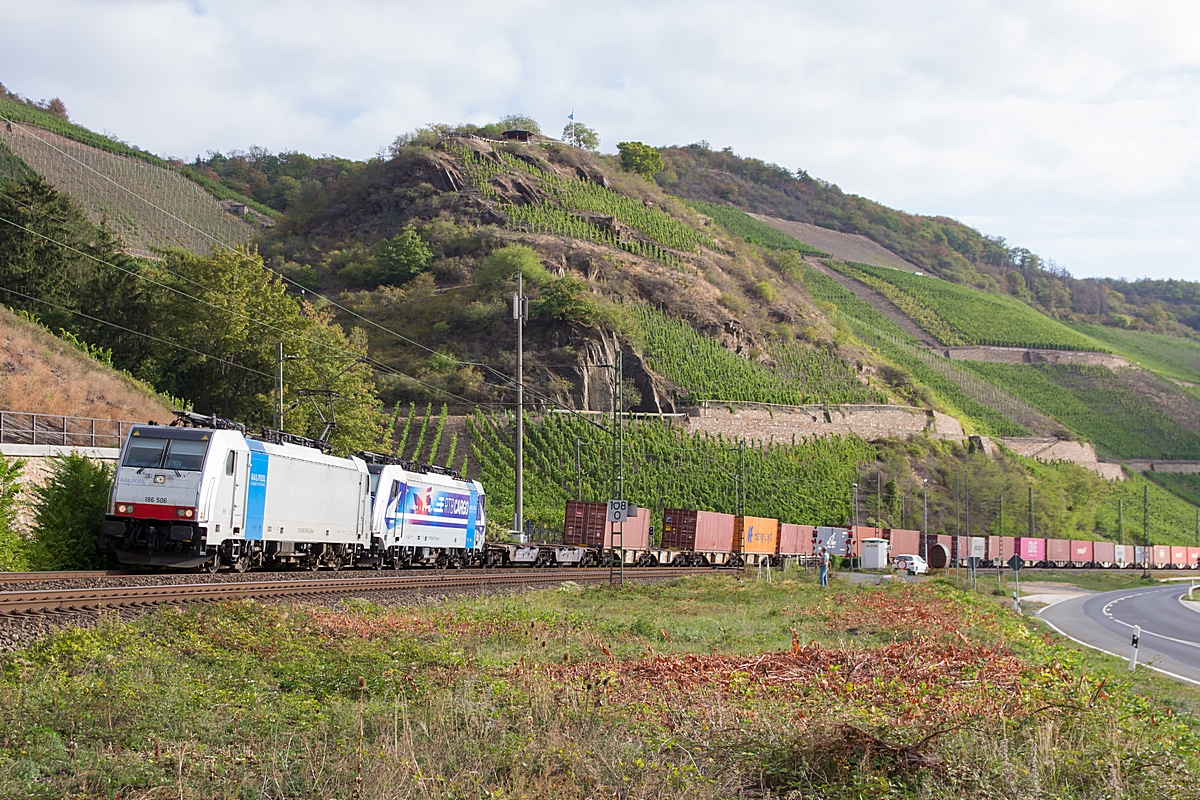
[1081,453]
[781,423]
[1022,355]
[37,469]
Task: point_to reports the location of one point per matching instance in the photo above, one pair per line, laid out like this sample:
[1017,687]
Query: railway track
[63,575]
[94,599]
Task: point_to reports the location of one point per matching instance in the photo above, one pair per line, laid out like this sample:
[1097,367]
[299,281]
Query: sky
[1069,128]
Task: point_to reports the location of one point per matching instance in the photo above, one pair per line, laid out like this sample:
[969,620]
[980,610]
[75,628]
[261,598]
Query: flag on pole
[571,116]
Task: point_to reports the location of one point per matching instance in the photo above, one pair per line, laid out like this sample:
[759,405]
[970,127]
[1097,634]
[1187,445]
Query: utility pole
[742,456]
[1121,520]
[1031,511]
[520,311]
[1146,552]
[1001,515]
[578,473]
[957,508]
[279,419]
[925,520]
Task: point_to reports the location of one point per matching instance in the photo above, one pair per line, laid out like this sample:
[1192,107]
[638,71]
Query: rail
[97,598]
[18,427]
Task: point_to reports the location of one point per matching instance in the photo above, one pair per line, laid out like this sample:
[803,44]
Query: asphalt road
[1170,638]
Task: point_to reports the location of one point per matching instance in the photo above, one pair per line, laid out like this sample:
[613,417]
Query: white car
[914,565]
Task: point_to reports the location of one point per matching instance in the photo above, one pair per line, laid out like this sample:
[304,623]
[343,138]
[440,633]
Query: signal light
[184,512]
[122,508]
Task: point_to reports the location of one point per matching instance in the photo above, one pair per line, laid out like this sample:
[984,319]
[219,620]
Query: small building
[518,135]
[874,554]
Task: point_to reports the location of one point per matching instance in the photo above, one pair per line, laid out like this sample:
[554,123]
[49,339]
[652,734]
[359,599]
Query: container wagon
[1032,549]
[904,542]
[795,540]
[1082,554]
[1104,554]
[756,539]
[1058,552]
[698,538]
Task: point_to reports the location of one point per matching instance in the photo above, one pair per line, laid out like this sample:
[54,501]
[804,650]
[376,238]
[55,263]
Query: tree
[581,136]
[403,257]
[640,158]
[503,265]
[511,122]
[13,548]
[68,511]
[565,299]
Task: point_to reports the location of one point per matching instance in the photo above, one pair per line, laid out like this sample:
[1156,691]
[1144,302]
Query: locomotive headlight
[188,513]
[184,512]
[123,509]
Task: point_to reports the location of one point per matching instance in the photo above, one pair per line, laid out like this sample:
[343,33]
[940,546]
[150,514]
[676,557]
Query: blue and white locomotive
[204,493]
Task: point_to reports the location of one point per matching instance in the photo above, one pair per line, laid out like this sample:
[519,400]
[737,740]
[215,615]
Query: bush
[403,257]
[763,291]
[565,299]
[640,158]
[13,548]
[68,511]
[503,265]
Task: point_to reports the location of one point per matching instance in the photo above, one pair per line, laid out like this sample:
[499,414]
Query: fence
[21,428]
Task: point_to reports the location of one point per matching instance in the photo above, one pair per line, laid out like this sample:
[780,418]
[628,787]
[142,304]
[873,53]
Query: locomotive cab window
[184,455]
[230,461]
[145,453]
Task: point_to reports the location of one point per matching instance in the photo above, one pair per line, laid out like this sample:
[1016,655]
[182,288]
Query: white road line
[1122,658]
[1145,631]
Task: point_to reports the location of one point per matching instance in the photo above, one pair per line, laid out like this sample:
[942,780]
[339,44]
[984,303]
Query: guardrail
[23,428]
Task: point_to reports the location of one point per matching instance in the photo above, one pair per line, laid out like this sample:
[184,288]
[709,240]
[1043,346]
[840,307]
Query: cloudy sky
[1069,128]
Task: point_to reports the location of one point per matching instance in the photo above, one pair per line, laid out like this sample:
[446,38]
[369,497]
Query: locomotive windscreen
[147,452]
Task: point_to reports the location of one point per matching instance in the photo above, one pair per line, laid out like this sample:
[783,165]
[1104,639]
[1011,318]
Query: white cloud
[1065,127]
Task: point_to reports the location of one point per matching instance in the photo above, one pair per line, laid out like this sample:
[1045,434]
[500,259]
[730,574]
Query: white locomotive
[204,493]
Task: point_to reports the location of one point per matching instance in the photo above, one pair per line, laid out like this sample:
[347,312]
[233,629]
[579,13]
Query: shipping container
[1104,553]
[756,534]
[1178,556]
[586,525]
[702,531]
[1008,548]
[1058,552]
[1082,553]
[903,541]
[1032,549]
[1161,555]
[977,548]
[992,554]
[1193,557]
[833,540]
[795,540]
[1139,555]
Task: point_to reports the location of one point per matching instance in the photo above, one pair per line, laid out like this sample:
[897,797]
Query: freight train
[204,492]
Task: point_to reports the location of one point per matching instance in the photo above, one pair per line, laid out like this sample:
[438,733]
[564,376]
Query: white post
[1137,631]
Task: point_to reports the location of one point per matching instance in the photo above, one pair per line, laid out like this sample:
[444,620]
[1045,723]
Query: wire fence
[48,429]
[108,188]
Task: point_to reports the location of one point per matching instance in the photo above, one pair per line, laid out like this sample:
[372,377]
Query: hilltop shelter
[518,135]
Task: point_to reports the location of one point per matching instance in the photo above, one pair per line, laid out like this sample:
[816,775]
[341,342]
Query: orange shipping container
[756,534]
[1178,556]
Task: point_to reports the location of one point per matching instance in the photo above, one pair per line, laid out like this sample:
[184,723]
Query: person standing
[823,562]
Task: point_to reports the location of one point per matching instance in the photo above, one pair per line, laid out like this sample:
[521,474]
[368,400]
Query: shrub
[640,158]
[68,511]
[565,299]
[503,265]
[763,291]
[403,257]
[13,548]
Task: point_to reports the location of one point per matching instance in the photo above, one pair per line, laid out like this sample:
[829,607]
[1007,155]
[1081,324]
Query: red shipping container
[992,553]
[1193,556]
[1058,551]
[1081,553]
[1031,548]
[904,542]
[586,525]
[1008,548]
[1104,553]
[714,532]
[1178,556]
[795,540]
[1161,555]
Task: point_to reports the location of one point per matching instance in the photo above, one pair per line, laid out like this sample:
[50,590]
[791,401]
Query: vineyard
[742,224]
[107,188]
[1170,356]
[568,202]
[958,315]
[805,481]
[1096,404]
[707,371]
[19,113]
[1183,485]
[989,409]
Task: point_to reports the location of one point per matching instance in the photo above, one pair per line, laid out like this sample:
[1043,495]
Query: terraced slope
[958,315]
[1172,357]
[842,246]
[107,186]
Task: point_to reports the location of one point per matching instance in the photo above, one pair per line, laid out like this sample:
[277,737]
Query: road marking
[1114,655]
[1145,631]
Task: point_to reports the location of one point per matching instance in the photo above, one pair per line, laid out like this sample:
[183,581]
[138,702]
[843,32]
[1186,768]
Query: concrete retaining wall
[781,423]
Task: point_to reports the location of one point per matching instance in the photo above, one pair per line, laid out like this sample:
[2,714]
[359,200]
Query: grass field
[958,315]
[698,688]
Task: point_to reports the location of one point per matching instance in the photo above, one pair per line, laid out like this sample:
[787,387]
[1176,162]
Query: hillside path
[879,302]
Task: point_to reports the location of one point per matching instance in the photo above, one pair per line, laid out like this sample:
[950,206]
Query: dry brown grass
[42,374]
